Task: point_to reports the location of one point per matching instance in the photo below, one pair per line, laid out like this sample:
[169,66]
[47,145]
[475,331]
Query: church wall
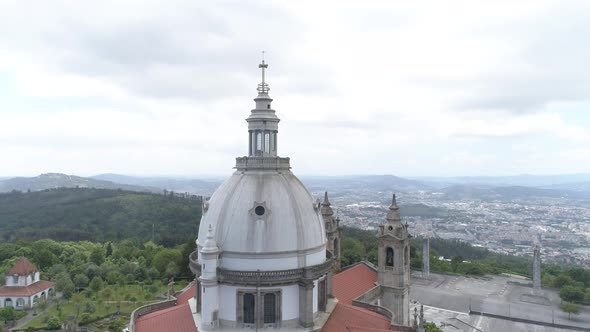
[272,264]
[289,305]
[227,297]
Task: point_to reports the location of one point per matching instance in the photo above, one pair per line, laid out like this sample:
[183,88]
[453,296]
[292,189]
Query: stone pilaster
[426,259]
[306,303]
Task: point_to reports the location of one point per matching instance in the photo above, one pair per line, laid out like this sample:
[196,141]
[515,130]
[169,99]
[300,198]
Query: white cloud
[367,87]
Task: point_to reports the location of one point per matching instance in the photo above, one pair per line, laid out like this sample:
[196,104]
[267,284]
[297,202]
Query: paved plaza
[448,300]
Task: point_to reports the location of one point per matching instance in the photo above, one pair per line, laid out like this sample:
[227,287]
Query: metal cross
[263,66]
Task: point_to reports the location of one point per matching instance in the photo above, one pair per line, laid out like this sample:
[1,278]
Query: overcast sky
[410,88]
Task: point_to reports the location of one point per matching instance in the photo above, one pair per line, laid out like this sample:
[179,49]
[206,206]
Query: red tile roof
[186,295]
[22,268]
[353,282]
[346,286]
[176,319]
[346,317]
[30,290]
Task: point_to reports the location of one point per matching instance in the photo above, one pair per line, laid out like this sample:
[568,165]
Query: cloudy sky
[410,88]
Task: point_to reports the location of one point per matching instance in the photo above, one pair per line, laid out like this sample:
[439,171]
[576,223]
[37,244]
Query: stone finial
[210,244]
[326,209]
[393,213]
[326,201]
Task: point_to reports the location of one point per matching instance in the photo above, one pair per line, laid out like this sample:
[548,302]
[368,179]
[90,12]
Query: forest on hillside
[98,215]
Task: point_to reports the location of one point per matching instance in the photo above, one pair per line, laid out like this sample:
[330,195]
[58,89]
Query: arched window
[267,142]
[270,308]
[20,303]
[8,303]
[249,308]
[258,141]
[274,143]
[389,256]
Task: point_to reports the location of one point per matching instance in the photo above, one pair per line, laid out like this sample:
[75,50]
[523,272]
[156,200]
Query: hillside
[58,180]
[204,187]
[74,214]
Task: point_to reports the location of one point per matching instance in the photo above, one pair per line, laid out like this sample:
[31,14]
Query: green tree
[97,255]
[64,284]
[81,280]
[53,323]
[171,270]
[164,257]
[96,284]
[572,294]
[456,261]
[431,327]
[562,280]
[187,249]
[569,308]
[109,250]
[352,251]
[7,313]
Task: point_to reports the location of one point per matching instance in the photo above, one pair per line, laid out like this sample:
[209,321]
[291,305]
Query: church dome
[263,217]
[266,212]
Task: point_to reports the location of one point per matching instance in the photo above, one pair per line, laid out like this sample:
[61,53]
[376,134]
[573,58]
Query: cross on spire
[263,87]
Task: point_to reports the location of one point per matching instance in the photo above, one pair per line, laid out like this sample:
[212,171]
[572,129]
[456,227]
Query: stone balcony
[264,278]
[262,163]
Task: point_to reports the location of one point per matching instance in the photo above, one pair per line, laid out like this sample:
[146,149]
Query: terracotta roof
[186,295]
[22,268]
[346,286]
[30,290]
[353,282]
[176,319]
[346,317]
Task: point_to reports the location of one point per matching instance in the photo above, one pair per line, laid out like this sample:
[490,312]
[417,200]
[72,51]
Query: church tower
[332,231]
[261,258]
[394,266]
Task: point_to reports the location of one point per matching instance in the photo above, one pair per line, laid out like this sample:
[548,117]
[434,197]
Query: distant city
[502,214]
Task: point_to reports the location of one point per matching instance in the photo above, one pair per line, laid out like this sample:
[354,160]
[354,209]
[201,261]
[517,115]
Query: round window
[390,228]
[259,210]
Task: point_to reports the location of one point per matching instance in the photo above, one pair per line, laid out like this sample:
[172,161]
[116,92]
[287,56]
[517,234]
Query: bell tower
[394,265]
[332,226]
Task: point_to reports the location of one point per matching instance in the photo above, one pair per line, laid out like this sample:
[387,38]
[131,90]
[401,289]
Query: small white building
[23,289]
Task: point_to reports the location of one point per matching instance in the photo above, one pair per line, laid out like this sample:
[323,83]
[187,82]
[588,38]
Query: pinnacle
[326,201]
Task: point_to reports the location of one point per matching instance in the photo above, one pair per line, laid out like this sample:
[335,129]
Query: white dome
[264,214]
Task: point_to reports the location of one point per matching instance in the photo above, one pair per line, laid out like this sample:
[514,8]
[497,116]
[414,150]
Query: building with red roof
[23,287]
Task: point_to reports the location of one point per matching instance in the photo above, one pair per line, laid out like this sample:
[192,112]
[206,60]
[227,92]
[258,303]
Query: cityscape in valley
[504,215]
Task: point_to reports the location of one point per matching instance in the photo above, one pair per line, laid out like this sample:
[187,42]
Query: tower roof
[22,267]
[393,213]
[326,208]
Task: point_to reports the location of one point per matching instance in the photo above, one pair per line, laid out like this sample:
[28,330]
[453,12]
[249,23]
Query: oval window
[259,210]
[390,228]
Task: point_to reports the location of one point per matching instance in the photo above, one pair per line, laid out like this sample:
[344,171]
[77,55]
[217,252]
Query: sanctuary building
[268,255]
[23,288]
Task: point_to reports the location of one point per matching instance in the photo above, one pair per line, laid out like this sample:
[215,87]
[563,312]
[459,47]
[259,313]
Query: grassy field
[92,308]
